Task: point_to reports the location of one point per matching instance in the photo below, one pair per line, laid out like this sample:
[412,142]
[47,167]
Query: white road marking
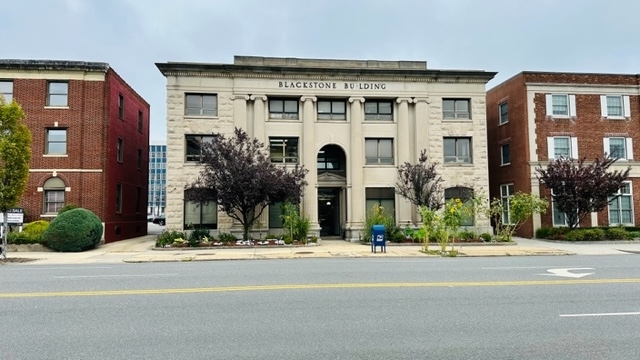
[601,314]
[566,272]
[522,267]
[108,276]
[36,267]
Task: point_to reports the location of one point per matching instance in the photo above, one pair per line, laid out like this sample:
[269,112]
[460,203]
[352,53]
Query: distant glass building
[157,178]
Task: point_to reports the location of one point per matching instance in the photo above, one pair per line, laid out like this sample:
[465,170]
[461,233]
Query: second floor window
[456,109]
[378,110]
[195,146]
[505,154]
[120,150]
[283,150]
[201,105]
[379,151]
[56,143]
[121,106]
[283,109]
[562,146]
[457,150]
[140,120]
[118,198]
[504,113]
[619,147]
[57,93]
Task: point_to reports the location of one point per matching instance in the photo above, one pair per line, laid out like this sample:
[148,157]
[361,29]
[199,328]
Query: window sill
[378,121]
[507,164]
[379,165]
[201,117]
[284,120]
[57,107]
[48,215]
[504,123]
[55,156]
[615,118]
[452,164]
[560,117]
[458,120]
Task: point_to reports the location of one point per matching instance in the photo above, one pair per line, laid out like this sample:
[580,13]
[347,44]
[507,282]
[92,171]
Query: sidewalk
[141,250]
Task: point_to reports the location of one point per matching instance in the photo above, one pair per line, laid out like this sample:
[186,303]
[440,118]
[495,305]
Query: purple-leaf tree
[420,183]
[578,189]
[239,175]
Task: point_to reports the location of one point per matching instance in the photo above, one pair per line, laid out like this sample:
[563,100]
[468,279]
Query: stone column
[240,111]
[355,181]
[404,155]
[309,159]
[259,117]
[421,137]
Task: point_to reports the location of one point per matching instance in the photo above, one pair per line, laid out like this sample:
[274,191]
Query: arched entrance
[332,182]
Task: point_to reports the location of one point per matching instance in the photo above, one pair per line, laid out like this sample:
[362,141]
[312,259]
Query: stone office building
[351,122]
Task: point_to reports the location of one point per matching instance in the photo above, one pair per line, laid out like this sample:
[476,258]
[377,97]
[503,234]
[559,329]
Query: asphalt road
[461,308]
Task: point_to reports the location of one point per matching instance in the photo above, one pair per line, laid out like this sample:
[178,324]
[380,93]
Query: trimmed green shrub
[617,234]
[74,230]
[486,237]
[576,235]
[197,235]
[167,237]
[227,238]
[67,208]
[467,235]
[543,233]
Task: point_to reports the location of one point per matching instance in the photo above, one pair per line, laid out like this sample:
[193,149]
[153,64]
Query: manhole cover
[304,252]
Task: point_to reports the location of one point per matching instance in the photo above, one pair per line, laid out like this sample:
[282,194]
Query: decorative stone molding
[239,96]
[258,97]
[423,99]
[354,99]
[308,98]
[402,99]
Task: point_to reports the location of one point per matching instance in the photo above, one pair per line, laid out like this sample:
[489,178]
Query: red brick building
[536,116]
[90,141]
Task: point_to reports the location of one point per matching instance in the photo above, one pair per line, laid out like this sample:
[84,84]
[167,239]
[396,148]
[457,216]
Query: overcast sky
[507,36]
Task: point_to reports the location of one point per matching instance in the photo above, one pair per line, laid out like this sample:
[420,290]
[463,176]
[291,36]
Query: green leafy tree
[521,206]
[238,173]
[15,154]
[578,189]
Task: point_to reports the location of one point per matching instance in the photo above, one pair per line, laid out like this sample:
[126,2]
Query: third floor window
[201,104]
[332,110]
[455,109]
[378,110]
[6,90]
[57,93]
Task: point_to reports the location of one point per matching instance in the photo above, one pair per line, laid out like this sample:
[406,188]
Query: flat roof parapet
[328,63]
[52,65]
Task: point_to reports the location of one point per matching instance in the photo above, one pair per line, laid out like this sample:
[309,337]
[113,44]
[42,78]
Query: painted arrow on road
[566,272]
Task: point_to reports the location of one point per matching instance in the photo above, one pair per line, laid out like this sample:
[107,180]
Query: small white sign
[14,217]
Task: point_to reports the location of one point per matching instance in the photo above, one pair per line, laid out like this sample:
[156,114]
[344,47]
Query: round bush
[74,230]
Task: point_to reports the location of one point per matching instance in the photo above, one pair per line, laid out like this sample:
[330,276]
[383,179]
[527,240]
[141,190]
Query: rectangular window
[332,110]
[615,106]
[621,207]
[378,110]
[506,191]
[283,109]
[561,105]
[53,201]
[140,121]
[562,146]
[384,197]
[57,93]
[120,150]
[283,150]
[559,218]
[203,215]
[465,195]
[457,150]
[118,198]
[138,199]
[139,162]
[455,109]
[618,147]
[6,90]
[121,106]
[195,146]
[201,105]
[504,113]
[379,151]
[505,152]
[275,212]
[56,142]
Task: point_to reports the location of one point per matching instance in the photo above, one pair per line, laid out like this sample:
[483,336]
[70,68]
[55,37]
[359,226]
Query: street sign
[15,217]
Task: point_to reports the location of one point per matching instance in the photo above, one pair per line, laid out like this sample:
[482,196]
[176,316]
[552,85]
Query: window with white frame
[283,150]
[56,142]
[457,150]
[615,106]
[332,110]
[504,113]
[621,207]
[379,151]
[559,218]
[562,146]
[618,147]
[506,191]
[201,104]
[6,90]
[54,189]
[456,109]
[283,109]
[561,105]
[505,154]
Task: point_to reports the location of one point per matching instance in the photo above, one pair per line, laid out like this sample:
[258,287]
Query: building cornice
[58,66]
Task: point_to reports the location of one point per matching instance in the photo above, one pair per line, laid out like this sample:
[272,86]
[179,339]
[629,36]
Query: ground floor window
[275,212]
[200,214]
[506,191]
[465,195]
[53,195]
[621,208]
[385,197]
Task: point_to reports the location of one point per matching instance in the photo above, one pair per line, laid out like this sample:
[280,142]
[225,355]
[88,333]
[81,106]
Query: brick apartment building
[537,116]
[90,141]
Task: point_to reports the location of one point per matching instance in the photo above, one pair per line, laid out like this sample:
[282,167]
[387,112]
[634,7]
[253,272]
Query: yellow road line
[317,286]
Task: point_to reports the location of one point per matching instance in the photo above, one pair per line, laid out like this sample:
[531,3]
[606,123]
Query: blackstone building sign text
[331,85]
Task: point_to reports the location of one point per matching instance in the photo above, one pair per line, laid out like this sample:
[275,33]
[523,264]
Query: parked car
[150,218]
[160,220]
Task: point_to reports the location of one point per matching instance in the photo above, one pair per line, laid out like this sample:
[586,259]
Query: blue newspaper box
[377,238]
